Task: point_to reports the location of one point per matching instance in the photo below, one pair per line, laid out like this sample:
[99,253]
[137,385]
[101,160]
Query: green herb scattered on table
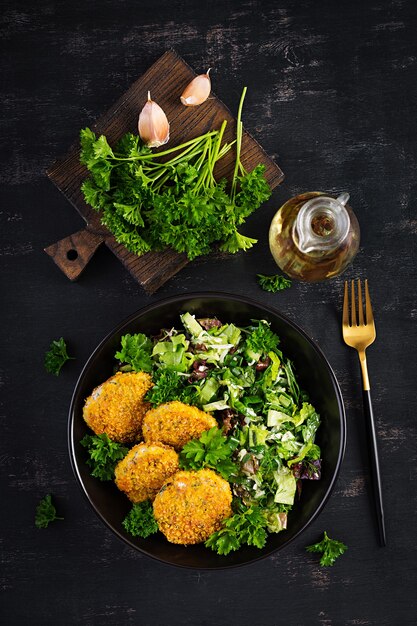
[104,454]
[149,204]
[273,283]
[331,549]
[140,521]
[212,450]
[45,513]
[56,356]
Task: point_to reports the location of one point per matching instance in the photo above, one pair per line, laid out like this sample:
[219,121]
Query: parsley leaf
[213,450]
[273,283]
[169,386]
[261,340]
[248,527]
[136,351]
[331,549]
[104,455]
[56,356]
[140,521]
[45,512]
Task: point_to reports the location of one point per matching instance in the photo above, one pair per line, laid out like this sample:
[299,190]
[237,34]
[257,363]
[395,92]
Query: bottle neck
[322,225]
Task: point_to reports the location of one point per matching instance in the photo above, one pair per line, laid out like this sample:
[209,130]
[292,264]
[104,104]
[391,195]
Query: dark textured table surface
[332,96]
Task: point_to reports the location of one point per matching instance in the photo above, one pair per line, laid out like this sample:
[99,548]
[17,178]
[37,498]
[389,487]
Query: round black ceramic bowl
[314,375]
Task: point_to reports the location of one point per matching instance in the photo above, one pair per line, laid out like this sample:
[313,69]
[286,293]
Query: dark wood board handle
[72,253]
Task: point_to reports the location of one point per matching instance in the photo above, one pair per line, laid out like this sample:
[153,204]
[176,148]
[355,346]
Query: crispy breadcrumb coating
[144,470]
[116,407]
[192,505]
[175,424]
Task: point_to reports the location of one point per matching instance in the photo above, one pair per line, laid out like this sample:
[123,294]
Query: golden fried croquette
[192,505]
[144,470]
[116,407]
[175,423]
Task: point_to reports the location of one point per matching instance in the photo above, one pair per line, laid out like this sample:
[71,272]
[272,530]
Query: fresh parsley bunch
[330,549]
[212,450]
[151,204]
[104,454]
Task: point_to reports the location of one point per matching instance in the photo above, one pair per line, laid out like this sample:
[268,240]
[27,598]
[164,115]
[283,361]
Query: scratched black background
[332,96]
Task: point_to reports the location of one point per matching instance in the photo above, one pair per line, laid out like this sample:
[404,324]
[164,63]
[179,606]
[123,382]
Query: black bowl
[314,374]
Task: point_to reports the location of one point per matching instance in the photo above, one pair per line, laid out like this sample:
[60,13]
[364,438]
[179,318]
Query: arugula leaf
[56,356]
[104,455]
[212,450]
[45,512]
[140,521]
[136,351]
[331,549]
[273,283]
[247,527]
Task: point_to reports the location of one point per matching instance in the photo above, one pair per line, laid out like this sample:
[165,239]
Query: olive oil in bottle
[314,236]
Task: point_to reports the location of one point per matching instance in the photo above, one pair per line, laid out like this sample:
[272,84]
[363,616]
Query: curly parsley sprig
[247,527]
[56,356]
[273,283]
[212,450]
[140,521]
[104,454]
[45,513]
[330,549]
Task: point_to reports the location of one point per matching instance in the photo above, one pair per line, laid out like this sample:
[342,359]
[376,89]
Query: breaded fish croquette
[192,505]
[117,407]
[144,470]
[175,424]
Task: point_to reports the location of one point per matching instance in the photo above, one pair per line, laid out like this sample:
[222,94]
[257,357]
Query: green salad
[264,444]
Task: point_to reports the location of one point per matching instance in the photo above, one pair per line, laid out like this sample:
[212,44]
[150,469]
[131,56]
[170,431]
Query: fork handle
[375,473]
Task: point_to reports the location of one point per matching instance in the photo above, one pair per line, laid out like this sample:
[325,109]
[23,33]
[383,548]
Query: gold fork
[359,332]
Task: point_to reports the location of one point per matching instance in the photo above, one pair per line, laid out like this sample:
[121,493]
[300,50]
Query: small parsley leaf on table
[45,512]
[56,356]
[140,521]
[273,283]
[104,455]
[331,549]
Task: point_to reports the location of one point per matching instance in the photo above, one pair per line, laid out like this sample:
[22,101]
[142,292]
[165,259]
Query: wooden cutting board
[166,79]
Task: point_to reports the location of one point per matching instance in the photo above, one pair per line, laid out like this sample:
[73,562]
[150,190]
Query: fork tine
[353,304]
[369,312]
[360,305]
[345,318]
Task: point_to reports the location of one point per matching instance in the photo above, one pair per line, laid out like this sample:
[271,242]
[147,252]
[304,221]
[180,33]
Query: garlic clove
[197,91]
[153,124]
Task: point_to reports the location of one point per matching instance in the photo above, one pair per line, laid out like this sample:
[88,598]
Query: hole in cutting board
[72,255]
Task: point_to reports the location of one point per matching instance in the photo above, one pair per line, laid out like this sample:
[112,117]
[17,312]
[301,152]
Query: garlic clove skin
[197,91]
[153,124]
